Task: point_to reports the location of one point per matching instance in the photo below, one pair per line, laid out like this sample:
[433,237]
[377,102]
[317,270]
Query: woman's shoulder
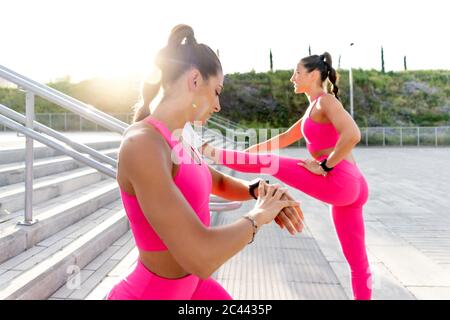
[327,98]
[328,102]
[140,140]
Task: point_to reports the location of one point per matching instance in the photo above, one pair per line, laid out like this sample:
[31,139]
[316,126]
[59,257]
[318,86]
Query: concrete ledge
[12,197]
[15,172]
[18,154]
[16,239]
[46,277]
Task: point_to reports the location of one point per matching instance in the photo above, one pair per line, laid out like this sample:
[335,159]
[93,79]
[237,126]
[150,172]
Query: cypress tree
[271,61]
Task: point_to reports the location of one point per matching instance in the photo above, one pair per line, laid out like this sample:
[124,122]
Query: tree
[339,62]
[404,63]
[382,60]
[309,49]
[271,61]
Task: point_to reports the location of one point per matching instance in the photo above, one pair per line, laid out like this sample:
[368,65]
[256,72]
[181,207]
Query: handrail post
[435,137]
[418,136]
[29,108]
[401,137]
[367,136]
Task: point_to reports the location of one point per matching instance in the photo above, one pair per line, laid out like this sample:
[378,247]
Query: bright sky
[47,39]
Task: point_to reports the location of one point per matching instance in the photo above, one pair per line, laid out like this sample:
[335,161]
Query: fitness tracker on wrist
[323,164]
[253,185]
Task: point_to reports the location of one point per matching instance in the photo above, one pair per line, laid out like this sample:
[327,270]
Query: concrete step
[45,188]
[55,215]
[38,272]
[12,155]
[15,172]
[98,277]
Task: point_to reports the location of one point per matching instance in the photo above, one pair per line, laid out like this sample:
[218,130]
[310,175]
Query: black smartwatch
[323,164]
[253,185]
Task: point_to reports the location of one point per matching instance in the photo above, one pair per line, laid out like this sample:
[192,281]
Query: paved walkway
[407,230]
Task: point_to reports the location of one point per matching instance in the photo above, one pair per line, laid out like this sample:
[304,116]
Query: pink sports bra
[318,136]
[194,181]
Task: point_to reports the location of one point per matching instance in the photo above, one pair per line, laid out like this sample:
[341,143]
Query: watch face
[253,185]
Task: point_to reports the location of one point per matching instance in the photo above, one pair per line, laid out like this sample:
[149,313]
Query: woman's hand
[290,218]
[313,166]
[269,203]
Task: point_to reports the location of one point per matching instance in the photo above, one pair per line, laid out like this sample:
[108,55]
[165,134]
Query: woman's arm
[293,134]
[229,187]
[349,134]
[235,189]
[198,249]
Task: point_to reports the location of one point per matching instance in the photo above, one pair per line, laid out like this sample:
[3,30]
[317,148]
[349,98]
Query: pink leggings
[344,188]
[142,284]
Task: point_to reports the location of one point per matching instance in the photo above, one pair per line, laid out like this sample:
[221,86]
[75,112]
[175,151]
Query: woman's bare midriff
[321,119]
[327,152]
[162,263]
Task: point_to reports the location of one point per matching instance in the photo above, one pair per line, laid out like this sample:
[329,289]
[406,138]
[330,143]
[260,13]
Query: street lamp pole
[350,79]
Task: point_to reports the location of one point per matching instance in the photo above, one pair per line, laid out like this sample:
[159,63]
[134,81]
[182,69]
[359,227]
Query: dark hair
[323,63]
[181,53]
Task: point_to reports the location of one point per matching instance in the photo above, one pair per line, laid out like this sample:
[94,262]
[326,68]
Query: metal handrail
[72,104]
[55,134]
[213,132]
[401,135]
[62,95]
[100,118]
[226,128]
[226,120]
[52,144]
[226,123]
[216,204]
[420,134]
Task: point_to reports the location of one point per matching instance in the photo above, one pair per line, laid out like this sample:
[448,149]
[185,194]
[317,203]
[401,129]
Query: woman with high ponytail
[332,175]
[148,93]
[165,186]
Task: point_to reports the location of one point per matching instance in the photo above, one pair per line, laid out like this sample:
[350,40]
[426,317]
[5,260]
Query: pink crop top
[318,136]
[194,181]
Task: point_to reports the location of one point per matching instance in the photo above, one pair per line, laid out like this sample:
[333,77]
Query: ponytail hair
[324,64]
[181,53]
[148,93]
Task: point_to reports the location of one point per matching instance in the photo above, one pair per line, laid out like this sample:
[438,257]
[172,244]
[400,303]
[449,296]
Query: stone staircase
[79,215]
[82,234]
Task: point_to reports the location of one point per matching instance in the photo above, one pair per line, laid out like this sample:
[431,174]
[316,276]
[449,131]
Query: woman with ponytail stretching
[165,186]
[332,176]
